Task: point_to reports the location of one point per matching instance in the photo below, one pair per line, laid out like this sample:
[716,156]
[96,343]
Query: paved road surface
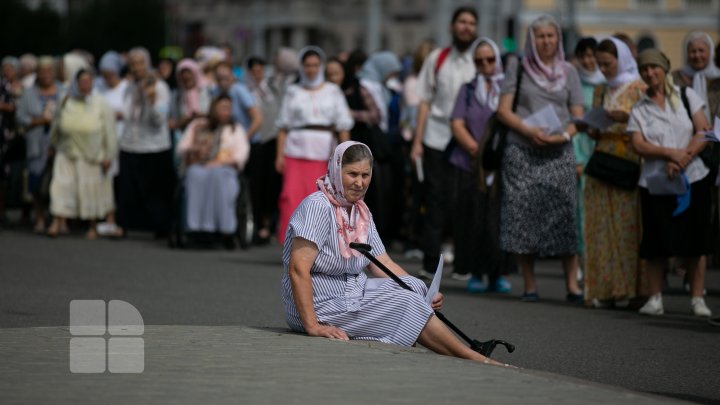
[230,301]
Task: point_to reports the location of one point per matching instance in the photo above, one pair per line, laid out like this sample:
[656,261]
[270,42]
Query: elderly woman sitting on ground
[324,289]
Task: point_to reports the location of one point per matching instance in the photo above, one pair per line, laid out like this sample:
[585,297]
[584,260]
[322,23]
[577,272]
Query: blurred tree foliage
[93,25]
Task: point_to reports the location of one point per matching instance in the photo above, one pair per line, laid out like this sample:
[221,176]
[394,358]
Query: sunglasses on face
[489,61]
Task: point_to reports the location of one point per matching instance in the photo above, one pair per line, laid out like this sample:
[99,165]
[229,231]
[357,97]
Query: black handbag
[495,144]
[619,172]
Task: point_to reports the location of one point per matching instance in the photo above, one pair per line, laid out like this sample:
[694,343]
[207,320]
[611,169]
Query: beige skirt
[79,189]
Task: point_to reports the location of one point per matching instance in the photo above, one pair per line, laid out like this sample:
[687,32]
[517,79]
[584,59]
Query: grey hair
[357,153]
[544,21]
[140,51]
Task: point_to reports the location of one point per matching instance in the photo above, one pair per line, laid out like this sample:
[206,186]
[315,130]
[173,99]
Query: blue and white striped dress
[343,296]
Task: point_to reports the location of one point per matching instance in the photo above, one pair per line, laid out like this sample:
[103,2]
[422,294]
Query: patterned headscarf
[484,97]
[551,78]
[353,227]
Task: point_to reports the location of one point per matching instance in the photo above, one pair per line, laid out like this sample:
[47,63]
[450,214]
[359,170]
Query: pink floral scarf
[352,227]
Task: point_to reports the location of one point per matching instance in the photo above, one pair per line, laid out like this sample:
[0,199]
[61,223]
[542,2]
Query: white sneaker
[460,277]
[448,252]
[654,306]
[426,274]
[699,307]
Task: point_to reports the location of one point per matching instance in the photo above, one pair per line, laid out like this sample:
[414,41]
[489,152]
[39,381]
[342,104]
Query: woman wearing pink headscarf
[614,273]
[538,208]
[325,290]
[192,97]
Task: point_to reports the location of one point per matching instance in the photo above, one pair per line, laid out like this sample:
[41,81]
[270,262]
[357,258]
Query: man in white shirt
[443,73]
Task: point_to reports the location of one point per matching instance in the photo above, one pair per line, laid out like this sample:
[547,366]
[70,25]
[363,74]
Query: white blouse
[300,108]
[668,128]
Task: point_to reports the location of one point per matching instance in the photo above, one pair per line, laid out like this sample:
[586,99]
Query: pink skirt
[299,177]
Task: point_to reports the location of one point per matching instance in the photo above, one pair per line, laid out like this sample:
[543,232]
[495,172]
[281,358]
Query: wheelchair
[179,236]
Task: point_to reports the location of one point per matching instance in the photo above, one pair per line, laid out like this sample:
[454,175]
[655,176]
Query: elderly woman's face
[546,41]
[698,54]
[608,64]
[137,66]
[85,84]
[485,60]
[45,75]
[334,73]
[311,67]
[652,75]
[356,179]
[187,78]
[9,72]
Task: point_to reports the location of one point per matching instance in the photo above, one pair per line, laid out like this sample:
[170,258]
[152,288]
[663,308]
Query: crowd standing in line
[621,204]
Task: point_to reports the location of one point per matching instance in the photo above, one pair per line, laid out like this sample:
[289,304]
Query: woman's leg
[527,266]
[438,338]
[570,266]
[696,274]
[656,272]
[91,233]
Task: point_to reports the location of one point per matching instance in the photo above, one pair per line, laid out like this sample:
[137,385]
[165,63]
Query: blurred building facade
[260,27]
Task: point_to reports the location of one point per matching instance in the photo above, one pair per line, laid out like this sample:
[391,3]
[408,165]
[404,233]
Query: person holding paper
[538,208]
[673,225]
[613,271]
[477,212]
[325,291]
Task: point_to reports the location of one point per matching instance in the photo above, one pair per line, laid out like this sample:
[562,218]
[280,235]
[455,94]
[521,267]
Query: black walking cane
[484,348]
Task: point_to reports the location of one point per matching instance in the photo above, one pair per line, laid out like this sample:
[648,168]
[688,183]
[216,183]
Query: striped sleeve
[311,221]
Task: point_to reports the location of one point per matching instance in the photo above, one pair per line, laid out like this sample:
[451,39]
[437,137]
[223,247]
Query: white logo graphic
[91,352]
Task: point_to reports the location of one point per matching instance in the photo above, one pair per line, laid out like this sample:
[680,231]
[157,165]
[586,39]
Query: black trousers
[145,183]
[439,198]
[477,229]
[265,183]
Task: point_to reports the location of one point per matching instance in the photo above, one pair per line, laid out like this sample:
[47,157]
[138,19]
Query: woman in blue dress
[324,288]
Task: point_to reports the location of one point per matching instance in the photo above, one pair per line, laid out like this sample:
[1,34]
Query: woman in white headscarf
[613,271]
[477,212]
[699,69]
[313,116]
[84,136]
[538,217]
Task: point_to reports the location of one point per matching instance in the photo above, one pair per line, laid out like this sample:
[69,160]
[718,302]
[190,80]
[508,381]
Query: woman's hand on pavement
[328,331]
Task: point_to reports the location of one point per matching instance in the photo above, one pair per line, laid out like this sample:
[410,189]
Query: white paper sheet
[435,285]
[419,169]
[660,184]
[545,118]
[596,118]
[714,135]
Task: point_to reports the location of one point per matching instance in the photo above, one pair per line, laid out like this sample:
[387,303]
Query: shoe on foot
[476,285]
[501,285]
[426,274]
[601,304]
[575,298]
[654,306]
[530,297]
[460,276]
[623,303]
[699,307]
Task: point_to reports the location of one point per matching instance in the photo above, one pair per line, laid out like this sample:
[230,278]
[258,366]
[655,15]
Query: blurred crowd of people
[620,203]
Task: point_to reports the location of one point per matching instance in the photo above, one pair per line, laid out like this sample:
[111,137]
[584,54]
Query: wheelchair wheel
[244,212]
